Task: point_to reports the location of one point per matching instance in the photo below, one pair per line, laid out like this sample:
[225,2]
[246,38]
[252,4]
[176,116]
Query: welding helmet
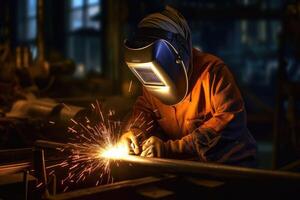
[160,60]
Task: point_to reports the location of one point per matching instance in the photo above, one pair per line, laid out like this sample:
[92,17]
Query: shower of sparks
[66,106]
[96,146]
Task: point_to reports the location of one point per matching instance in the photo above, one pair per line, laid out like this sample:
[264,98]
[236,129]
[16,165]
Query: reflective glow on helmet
[161,63]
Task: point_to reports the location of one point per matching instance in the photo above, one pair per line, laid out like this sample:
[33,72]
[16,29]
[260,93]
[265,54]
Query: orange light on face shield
[160,68]
[147,73]
[150,76]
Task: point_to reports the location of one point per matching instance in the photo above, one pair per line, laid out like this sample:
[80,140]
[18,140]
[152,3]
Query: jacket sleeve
[142,120]
[210,139]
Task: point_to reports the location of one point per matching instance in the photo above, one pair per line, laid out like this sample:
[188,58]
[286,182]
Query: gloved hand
[153,147]
[130,140]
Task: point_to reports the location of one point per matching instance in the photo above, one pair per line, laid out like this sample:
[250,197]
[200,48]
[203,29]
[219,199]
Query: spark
[148,129]
[72,130]
[142,124]
[39,185]
[72,120]
[66,189]
[150,122]
[66,106]
[130,85]
[87,120]
[52,172]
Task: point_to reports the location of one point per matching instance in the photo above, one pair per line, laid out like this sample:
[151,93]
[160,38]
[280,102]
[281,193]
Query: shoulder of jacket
[202,58]
[207,62]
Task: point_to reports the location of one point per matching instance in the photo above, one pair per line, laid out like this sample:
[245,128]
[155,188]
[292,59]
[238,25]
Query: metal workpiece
[168,174]
[109,191]
[40,170]
[52,145]
[162,165]
[44,108]
[212,169]
[12,160]
[14,168]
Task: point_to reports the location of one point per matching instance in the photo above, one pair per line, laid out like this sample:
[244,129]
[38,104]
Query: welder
[191,106]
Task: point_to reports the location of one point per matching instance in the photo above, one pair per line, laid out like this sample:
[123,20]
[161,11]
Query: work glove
[153,147]
[130,140]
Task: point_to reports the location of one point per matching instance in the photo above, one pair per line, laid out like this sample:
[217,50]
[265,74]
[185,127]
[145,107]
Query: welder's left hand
[153,147]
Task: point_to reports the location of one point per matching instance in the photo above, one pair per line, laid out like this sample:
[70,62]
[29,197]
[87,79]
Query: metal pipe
[200,168]
[14,168]
[40,170]
[94,192]
[211,169]
[25,181]
[44,108]
[51,145]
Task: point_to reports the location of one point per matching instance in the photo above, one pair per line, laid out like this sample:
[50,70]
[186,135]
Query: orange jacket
[210,122]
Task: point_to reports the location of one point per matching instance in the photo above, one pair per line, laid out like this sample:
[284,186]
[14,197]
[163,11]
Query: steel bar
[40,169]
[42,108]
[200,168]
[25,181]
[211,169]
[93,191]
[51,145]
[11,168]
[14,168]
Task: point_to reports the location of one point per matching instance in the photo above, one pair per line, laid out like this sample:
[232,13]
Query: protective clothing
[153,147]
[130,140]
[209,123]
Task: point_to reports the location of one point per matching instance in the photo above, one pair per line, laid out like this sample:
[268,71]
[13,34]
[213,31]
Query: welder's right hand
[131,142]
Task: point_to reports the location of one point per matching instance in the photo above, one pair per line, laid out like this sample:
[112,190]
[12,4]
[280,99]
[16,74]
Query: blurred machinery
[22,81]
[286,143]
[17,66]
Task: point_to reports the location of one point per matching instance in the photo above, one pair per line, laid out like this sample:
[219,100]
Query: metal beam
[14,168]
[96,191]
[162,165]
[212,169]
